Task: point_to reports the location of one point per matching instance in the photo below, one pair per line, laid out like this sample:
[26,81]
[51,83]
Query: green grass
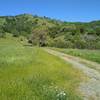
[92,55]
[29,73]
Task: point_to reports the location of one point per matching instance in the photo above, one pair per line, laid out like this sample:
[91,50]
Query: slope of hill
[44,31]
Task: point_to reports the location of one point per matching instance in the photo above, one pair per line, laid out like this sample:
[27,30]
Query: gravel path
[90,89]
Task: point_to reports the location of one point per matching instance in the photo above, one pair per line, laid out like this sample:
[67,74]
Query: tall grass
[29,73]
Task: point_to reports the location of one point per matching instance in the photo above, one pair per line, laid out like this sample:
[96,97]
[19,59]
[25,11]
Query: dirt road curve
[90,89]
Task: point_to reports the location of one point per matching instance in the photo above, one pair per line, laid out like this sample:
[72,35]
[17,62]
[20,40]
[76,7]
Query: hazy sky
[68,10]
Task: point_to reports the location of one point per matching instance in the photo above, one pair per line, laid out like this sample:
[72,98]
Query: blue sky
[68,10]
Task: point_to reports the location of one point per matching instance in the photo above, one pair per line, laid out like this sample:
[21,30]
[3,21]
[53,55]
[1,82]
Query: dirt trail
[90,89]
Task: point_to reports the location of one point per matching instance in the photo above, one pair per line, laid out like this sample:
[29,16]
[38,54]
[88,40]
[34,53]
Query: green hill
[44,31]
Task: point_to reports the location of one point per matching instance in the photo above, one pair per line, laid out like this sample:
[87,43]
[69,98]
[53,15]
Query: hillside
[30,72]
[44,31]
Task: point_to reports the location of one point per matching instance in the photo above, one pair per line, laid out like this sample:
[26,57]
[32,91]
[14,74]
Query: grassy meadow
[29,73]
[92,55]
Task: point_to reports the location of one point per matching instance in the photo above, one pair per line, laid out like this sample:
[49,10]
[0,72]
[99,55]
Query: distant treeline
[43,31]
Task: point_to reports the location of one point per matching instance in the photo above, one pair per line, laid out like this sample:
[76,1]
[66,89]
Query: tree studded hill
[43,31]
